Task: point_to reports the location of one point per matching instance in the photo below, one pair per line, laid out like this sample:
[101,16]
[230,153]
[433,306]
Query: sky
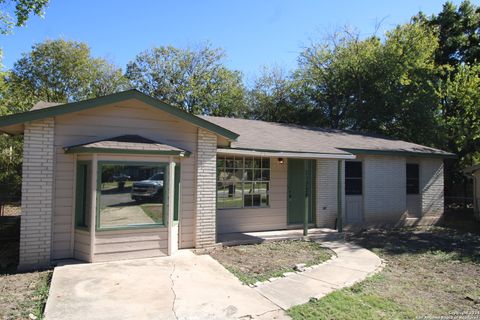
[254,33]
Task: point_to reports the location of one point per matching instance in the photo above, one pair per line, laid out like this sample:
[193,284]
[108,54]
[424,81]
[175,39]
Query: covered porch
[294,193]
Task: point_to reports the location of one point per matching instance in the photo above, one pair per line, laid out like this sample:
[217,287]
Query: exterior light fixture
[280,160]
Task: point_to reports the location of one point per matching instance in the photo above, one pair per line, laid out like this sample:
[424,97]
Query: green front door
[300,190]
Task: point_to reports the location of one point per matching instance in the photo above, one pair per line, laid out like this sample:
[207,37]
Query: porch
[239,238]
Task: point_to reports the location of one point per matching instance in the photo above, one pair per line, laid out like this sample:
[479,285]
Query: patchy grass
[154,211]
[22,294]
[259,262]
[429,272]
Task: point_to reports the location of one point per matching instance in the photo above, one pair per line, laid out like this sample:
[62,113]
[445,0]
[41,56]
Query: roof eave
[180,153]
[445,155]
[19,118]
[286,153]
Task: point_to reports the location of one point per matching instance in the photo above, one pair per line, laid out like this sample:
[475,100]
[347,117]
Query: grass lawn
[259,262]
[153,210]
[430,272]
[22,294]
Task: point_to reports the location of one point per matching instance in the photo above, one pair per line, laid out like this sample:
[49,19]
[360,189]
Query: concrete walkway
[189,286]
[353,264]
[183,286]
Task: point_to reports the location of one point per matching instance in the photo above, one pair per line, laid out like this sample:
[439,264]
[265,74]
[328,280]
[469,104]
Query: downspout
[339,197]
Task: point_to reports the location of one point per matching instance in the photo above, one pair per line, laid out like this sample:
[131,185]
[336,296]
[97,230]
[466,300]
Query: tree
[460,112]
[271,97]
[458,33]
[63,71]
[332,77]
[57,71]
[19,15]
[370,85]
[196,81]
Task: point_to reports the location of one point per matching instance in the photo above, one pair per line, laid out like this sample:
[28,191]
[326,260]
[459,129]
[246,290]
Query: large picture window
[353,178]
[131,195]
[243,182]
[413,175]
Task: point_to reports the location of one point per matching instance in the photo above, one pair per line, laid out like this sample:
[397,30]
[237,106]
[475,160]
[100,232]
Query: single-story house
[474,172]
[127,176]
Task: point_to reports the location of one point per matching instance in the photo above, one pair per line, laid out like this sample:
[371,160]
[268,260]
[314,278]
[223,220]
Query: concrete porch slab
[183,286]
[239,238]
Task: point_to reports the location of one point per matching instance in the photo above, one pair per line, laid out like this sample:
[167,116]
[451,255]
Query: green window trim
[81,196]
[136,226]
[176,198]
[238,165]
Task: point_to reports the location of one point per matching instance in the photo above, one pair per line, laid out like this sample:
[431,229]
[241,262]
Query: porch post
[172,228]
[93,205]
[307,187]
[339,198]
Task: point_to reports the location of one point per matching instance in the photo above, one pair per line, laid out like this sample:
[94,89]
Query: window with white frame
[242,182]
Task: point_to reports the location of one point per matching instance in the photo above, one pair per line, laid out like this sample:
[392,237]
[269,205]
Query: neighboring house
[474,172]
[128,176]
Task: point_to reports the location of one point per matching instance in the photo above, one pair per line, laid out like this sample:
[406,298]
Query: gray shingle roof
[127,143]
[262,135]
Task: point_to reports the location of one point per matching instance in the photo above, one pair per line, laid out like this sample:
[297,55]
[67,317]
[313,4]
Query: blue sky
[254,33]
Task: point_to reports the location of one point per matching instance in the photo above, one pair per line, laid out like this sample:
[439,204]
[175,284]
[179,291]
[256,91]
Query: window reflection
[242,182]
[131,195]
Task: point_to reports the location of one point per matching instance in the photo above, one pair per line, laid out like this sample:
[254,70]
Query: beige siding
[327,192]
[354,209]
[81,248]
[431,186]
[384,193]
[130,244]
[128,117]
[414,205]
[257,219]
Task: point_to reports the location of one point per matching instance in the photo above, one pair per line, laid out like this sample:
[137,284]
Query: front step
[256,238]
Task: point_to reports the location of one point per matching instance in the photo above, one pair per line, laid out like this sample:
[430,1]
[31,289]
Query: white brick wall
[327,179]
[384,194]
[431,186]
[205,233]
[37,194]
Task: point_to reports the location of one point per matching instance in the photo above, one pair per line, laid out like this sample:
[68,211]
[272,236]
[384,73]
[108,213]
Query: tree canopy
[15,13]
[63,71]
[196,81]
[418,82]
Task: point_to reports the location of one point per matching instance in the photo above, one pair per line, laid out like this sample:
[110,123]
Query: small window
[242,182]
[353,178]
[413,174]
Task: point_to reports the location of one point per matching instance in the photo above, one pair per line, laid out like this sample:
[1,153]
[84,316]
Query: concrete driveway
[183,286]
